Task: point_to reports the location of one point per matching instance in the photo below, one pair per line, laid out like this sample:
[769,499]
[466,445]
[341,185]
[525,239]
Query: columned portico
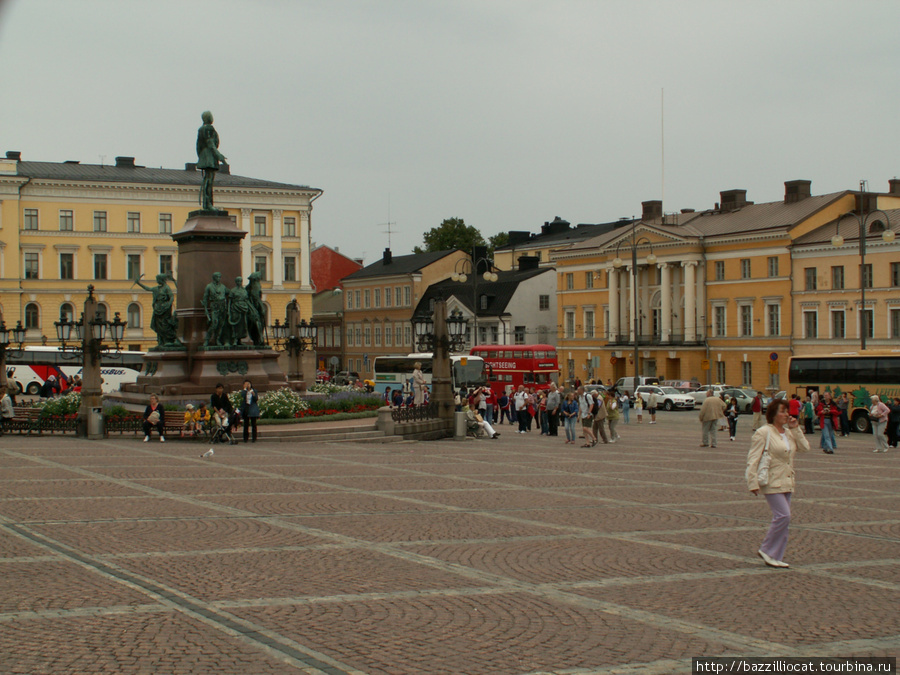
[631,308]
[665,291]
[277,258]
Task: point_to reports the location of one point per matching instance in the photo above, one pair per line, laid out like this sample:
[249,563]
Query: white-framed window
[388,333]
[745,318]
[810,278]
[570,325]
[32,265]
[260,227]
[719,321]
[543,302]
[588,279]
[260,266]
[134,315]
[348,300]
[101,266]
[407,335]
[165,223]
[746,373]
[290,268]
[838,323]
[133,222]
[337,336]
[356,299]
[398,334]
[773,320]
[837,277]
[377,333]
[720,270]
[132,265]
[570,281]
[388,296]
[720,372]
[518,335]
[289,226]
[377,298]
[407,296]
[66,220]
[588,323]
[100,221]
[745,268]
[895,322]
[895,274]
[358,333]
[398,297]
[865,272]
[367,335]
[810,324]
[772,264]
[350,342]
[367,298]
[30,220]
[166,264]
[867,316]
[66,265]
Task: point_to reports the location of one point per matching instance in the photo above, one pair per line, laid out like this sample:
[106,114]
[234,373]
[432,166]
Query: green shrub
[61,405]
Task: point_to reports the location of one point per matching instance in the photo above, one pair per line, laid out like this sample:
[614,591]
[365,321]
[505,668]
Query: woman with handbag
[770,470]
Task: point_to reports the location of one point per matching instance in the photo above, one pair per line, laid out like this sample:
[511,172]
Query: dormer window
[483,302]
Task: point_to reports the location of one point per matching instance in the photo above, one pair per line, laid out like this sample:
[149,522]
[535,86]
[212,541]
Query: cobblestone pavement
[516,555]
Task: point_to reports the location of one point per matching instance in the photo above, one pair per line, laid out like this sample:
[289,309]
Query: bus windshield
[468,375]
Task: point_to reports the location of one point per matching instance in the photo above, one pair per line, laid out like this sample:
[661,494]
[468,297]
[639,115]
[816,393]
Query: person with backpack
[585,412]
[612,417]
[599,412]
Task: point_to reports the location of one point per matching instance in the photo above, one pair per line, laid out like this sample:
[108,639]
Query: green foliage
[282,404]
[496,241]
[117,411]
[61,405]
[345,403]
[452,233]
[328,388]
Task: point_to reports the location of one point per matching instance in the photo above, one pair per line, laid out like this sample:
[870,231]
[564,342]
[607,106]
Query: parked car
[595,387]
[669,397]
[684,386]
[345,377]
[700,395]
[627,384]
[744,398]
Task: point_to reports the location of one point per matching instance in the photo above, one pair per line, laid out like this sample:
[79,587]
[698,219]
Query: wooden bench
[25,421]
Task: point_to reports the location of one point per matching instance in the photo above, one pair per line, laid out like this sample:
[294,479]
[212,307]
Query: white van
[627,384]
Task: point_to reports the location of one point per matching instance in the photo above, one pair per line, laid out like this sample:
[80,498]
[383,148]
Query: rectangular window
[746,312]
[32,266]
[398,335]
[358,333]
[259,266]
[99,221]
[290,268]
[543,302]
[745,268]
[259,226]
[895,323]
[495,334]
[895,274]
[809,274]
[348,299]
[165,223]
[337,336]
[773,266]
[349,336]
[388,296]
[720,270]
[377,335]
[518,335]
[356,299]
[100,271]
[133,222]
[719,318]
[837,278]
[407,335]
[588,279]
[66,265]
[31,219]
[407,296]
[838,324]
[589,323]
[165,264]
[867,317]
[289,226]
[866,274]
[367,298]
[570,325]
[388,335]
[810,325]
[570,281]
[773,319]
[377,298]
[398,298]
[133,265]
[66,220]
[720,372]
[746,373]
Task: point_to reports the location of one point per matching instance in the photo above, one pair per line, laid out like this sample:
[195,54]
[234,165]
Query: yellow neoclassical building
[717,293]
[64,225]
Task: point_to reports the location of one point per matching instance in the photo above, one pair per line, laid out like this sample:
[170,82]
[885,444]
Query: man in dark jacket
[249,409]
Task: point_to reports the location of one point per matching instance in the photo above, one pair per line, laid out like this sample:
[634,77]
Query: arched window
[32,316]
[877,227]
[103,311]
[67,311]
[134,315]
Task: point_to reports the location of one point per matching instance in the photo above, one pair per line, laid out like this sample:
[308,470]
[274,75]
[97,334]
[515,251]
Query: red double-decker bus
[511,365]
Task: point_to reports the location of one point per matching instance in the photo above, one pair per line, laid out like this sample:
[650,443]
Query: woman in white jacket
[781,438]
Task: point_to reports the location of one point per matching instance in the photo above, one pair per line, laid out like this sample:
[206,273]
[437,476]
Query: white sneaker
[146,438]
[732,438]
[162,439]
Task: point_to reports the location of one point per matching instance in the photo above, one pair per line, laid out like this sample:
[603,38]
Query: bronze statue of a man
[208,158]
[163,323]
[215,304]
[240,311]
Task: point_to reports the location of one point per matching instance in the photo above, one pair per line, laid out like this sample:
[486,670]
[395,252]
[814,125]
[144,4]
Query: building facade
[66,225]
[718,295]
[379,301]
[329,266]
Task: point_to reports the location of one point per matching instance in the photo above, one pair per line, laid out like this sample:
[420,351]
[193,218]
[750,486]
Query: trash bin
[95,422]
[459,426]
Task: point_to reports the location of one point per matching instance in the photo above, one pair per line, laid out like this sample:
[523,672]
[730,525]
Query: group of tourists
[831,415]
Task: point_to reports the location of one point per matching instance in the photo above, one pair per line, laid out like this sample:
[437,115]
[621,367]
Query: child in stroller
[224,426]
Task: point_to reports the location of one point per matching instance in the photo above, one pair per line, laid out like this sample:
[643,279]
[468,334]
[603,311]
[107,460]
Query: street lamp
[89,339]
[451,340]
[7,336]
[887,235]
[304,339]
[618,263]
[460,276]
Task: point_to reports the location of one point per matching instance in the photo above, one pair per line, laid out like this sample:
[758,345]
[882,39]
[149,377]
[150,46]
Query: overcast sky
[503,112]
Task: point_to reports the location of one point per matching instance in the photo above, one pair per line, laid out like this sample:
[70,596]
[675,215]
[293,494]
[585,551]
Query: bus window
[492,355]
[889,370]
[540,355]
[542,378]
[855,371]
[507,355]
[551,355]
[528,378]
[517,354]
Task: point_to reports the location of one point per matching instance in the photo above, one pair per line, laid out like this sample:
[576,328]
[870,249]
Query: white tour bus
[396,371]
[31,368]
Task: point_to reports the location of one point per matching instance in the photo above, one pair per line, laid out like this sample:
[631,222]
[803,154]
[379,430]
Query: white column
[304,251]
[277,258]
[645,314]
[613,327]
[246,244]
[690,300]
[665,292]
[631,308]
[702,313]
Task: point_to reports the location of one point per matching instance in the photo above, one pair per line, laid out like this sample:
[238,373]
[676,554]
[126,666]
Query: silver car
[669,397]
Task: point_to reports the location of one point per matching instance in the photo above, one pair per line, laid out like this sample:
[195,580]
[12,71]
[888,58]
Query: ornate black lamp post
[296,338]
[7,337]
[441,335]
[460,275]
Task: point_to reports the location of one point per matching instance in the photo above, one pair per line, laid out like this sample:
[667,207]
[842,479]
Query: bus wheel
[861,423]
[33,389]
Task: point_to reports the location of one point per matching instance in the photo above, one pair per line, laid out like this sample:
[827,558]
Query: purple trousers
[776,539]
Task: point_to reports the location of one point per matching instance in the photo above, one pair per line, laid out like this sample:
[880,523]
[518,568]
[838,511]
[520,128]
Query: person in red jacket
[829,419]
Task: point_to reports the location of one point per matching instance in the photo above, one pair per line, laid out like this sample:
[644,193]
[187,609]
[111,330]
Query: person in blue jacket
[249,409]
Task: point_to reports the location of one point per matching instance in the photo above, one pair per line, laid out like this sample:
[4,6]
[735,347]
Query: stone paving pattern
[521,555]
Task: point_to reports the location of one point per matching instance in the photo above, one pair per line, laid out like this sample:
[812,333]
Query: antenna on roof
[102,160]
[390,223]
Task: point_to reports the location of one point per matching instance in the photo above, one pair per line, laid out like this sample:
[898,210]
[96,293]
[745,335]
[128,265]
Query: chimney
[556,226]
[529,262]
[190,166]
[387,258]
[14,154]
[688,211]
[651,212]
[125,162]
[517,237]
[733,199]
[894,186]
[796,190]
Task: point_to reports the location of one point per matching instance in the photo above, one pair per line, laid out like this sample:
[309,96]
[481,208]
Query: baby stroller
[222,433]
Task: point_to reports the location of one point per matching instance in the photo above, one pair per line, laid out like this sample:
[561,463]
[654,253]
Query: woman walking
[781,438]
[638,407]
[731,414]
[878,415]
[612,417]
[806,414]
[829,420]
[570,416]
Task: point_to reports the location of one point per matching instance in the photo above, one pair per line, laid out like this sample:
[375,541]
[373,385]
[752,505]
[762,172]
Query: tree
[496,241]
[452,233]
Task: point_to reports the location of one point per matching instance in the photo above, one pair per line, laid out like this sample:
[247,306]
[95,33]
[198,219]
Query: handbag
[762,470]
